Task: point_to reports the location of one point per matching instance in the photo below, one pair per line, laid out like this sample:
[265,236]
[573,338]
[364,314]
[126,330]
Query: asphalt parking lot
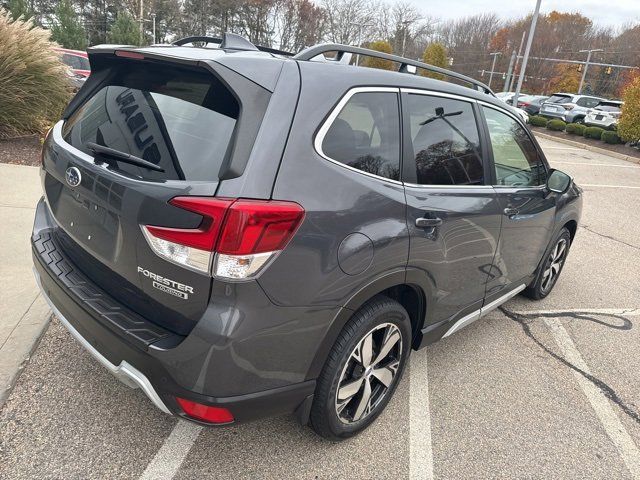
[535,390]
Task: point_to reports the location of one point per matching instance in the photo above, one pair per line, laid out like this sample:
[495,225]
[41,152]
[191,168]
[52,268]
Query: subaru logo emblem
[73,176]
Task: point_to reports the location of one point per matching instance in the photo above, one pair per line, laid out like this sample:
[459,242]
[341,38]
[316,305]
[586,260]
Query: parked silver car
[605,115]
[569,107]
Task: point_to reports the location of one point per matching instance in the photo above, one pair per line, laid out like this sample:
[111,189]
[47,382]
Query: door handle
[511,212]
[428,222]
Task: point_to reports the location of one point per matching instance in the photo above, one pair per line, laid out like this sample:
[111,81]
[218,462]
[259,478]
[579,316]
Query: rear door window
[588,102]
[179,119]
[446,144]
[366,134]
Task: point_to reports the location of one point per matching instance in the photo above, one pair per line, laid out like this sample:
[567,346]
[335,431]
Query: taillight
[205,413]
[568,106]
[235,238]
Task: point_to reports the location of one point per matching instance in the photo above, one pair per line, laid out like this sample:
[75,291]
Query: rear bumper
[141,354]
[126,373]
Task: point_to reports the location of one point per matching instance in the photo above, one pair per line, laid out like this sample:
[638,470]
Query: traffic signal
[608,70]
[580,68]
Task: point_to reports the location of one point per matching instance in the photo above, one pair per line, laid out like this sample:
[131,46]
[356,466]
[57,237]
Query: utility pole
[360,27]
[406,24]
[532,31]
[515,67]
[141,20]
[586,66]
[153,19]
[510,72]
[493,66]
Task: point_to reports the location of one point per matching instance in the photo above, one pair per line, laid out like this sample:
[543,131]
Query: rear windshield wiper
[123,157]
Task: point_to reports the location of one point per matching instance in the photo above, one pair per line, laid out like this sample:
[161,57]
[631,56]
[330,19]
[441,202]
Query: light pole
[360,27]
[532,31]
[515,67]
[493,66]
[586,66]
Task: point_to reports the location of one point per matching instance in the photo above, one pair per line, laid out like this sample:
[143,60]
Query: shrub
[629,124]
[34,86]
[580,128]
[610,137]
[556,125]
[593,132]
[571,128]
[538,121]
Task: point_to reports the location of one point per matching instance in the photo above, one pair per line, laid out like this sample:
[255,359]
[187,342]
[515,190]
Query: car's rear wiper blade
[123,157]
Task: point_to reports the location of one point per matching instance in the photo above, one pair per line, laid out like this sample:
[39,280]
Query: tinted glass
[446,144]
[559,99]
[178,119]
[608,108]
[366,134]
[588,102]
[515,157]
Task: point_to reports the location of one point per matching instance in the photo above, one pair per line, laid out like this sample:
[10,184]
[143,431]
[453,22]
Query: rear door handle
[511,212]
[428,222]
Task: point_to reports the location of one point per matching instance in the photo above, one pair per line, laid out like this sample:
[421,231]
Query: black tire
[579,120]
[541,286]
[379,315]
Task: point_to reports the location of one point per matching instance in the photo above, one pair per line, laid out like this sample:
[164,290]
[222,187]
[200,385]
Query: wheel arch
[409,287]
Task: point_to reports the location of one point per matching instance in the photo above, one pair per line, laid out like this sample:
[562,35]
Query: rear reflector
[243,234]
[205,413]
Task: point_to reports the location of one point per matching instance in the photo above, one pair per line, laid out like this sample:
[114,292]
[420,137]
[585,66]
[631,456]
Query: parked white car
[605,115]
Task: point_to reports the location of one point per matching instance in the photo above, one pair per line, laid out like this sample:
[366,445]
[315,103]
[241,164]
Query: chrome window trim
[322,132]
[433,93]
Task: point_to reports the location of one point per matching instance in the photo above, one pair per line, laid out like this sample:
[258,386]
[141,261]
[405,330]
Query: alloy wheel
[369,373]
[553,265]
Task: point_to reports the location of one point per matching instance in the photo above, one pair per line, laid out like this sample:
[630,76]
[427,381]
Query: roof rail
[230,41]
[312,52]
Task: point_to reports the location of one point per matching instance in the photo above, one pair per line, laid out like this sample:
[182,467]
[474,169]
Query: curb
[602,151]
[18,348]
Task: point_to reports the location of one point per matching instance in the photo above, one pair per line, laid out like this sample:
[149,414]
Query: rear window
[178,119]
[609,108]
[76,61]
[559,99]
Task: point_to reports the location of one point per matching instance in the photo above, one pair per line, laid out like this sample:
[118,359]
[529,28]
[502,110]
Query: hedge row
[557,125]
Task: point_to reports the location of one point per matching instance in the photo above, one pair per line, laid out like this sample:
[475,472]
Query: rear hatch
[182,118]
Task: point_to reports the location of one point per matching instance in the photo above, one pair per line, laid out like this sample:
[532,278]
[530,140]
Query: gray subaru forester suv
[240,232]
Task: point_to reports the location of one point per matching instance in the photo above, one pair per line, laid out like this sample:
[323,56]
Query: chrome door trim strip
[481,312]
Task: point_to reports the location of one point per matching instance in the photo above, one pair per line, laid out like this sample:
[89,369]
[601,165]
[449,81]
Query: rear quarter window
[179,119]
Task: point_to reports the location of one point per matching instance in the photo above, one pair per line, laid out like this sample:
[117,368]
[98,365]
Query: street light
[360,27]
[586,65]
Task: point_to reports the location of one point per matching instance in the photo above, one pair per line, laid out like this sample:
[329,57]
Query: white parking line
[597,164]
[420,447]
[627,312]
[167,461]
[609,186]
[624,443]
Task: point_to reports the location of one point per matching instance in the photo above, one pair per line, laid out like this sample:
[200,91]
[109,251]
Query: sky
[610,13]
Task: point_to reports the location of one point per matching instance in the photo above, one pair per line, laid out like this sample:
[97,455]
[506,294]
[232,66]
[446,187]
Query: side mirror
[558,181]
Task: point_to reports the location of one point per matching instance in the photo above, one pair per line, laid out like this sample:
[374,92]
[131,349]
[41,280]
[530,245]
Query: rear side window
[179,119]
[366,134]
[446,144]
[75,61]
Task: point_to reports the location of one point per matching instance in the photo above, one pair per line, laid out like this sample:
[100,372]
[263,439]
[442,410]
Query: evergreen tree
[373,62]
[435,54]
[67,29]
[19,8]
[125,30]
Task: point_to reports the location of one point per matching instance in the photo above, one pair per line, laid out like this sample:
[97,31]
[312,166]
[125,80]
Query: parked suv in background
[605,115]
[569,107]
[242,233]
